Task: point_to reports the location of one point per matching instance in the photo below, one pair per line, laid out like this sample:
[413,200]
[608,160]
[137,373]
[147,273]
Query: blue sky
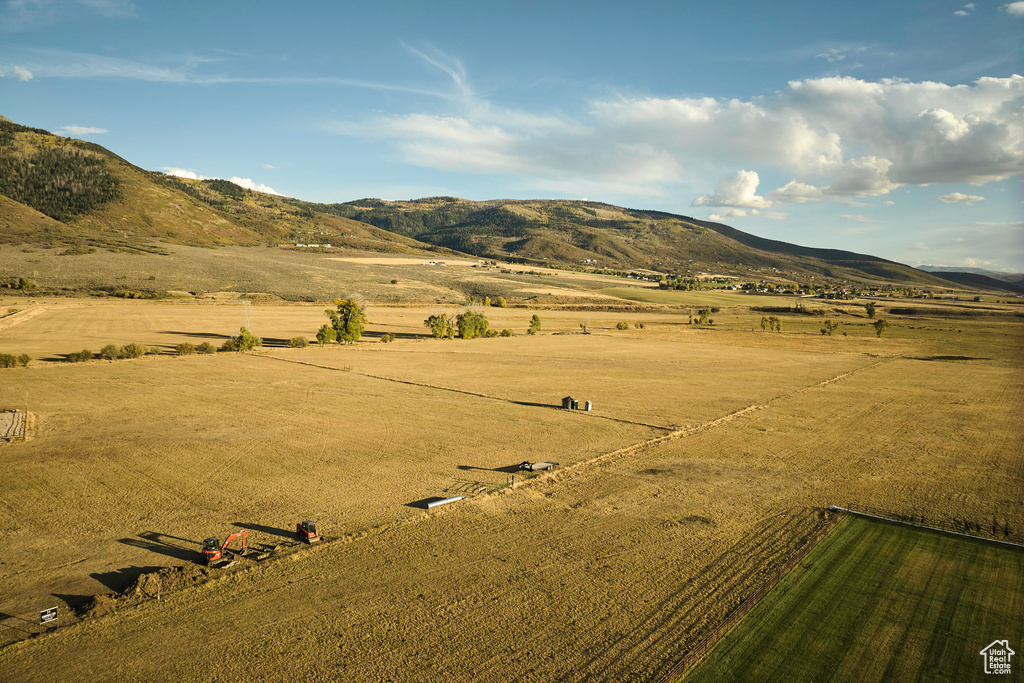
[895,129]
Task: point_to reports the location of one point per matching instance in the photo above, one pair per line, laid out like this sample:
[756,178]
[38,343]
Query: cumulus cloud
[837,138]
[738,190]
[1015,9]
[81,130]
[250,185]
[241,182]
[957,197]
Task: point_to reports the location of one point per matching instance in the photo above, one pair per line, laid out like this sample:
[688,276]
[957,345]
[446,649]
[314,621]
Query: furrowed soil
[877,601]
[706,461]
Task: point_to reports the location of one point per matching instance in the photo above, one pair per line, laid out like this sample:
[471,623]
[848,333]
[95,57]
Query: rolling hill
[59,191]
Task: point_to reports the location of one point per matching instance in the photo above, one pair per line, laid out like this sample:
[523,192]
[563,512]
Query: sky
[894,129]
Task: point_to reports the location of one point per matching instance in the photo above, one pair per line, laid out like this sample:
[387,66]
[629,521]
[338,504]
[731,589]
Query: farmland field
[707,459]
[876,601]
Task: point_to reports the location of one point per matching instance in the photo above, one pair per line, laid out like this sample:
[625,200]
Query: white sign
[48,615]
[997,657]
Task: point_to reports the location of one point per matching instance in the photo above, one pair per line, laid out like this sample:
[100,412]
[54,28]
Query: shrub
[535,325]
[639,325]
[622,325]
[133,351]
[387,338]
[154,351]
[501,302]
[491,333]
[110,352]
[80,356]
[24,359]
[243,341]
[298,342]
[206,348]
[507,333]
[184,349]
[8,361]
[394,282]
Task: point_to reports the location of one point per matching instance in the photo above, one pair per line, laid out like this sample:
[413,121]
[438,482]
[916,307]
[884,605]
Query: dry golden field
[706,460]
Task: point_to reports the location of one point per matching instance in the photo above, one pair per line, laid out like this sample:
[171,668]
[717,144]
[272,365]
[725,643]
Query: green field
[877,601]
[708,297]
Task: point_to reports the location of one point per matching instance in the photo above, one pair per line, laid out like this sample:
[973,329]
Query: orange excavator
[306,531]
[219,555]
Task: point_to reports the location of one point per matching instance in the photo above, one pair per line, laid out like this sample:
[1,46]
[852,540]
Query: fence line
[704,645]
[1000,532]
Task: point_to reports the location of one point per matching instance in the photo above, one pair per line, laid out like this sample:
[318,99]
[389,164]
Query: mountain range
[57,191]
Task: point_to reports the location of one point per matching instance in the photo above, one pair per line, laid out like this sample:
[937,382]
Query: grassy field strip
[9,321]
[925,526]
[464,392]
[877,601]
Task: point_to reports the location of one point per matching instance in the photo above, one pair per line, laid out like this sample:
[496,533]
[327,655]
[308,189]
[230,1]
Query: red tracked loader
[306,531]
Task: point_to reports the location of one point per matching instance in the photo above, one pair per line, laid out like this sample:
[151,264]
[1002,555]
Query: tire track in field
[469,393]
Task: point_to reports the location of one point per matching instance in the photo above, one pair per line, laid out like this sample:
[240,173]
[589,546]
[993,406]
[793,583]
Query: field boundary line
[467,393]
[940,530]
[704,646]
[9,321]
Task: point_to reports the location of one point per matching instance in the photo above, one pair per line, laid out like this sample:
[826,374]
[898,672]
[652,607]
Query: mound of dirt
[99,605]
[164,581]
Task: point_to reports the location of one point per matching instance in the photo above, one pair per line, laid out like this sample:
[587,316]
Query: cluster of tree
[471,324]
[682,284]
[771,324]
[387,338]
[441,325]
[831,327]
[24,284]
[487,302]
[348,320]
[79,356]
[704,317]
[61,182]
[187,349]
[8,360]
[243,341]
[114,352]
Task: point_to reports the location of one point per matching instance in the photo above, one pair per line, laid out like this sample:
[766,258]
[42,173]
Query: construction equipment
[219,555]
[306,531]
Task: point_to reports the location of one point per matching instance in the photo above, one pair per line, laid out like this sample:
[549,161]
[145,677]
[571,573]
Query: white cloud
[23,74]
[81,130]
[739,190]
[1015,9]
[269,167]
[250,185]
[838,138]
[856,217]
[241,182]
[957,197]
